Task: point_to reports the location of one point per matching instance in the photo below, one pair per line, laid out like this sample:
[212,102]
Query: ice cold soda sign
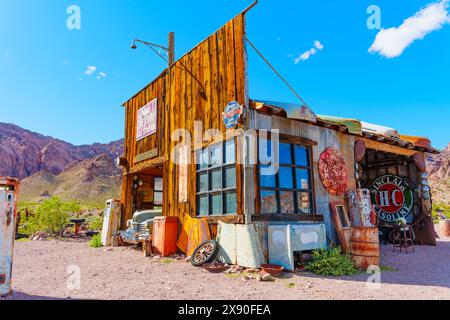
[147,117]
[393,198]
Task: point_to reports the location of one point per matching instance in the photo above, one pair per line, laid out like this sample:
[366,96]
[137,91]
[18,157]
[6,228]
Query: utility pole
[171,51]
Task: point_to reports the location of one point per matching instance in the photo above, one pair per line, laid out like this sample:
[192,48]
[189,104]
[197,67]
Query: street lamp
[170,51]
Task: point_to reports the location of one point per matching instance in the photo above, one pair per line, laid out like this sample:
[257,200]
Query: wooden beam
[371,144]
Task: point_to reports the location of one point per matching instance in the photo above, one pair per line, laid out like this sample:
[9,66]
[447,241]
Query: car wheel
[206,252]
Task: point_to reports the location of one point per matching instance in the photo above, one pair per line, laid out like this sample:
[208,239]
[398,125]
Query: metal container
[365,246]
[8,210]
[165,235]
[111,221]
[285,239]
[360,208]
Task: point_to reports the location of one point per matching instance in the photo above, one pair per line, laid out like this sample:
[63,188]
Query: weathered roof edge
[350,126]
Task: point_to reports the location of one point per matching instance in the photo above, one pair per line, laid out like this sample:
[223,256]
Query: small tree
[53,215]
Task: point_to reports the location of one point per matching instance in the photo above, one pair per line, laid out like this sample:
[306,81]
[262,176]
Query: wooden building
[208,85]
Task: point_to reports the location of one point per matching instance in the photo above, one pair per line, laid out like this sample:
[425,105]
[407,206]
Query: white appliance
[111,221]
[8,208]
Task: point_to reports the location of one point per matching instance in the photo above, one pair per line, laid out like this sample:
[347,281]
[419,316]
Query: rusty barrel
[365,245]
[444,227]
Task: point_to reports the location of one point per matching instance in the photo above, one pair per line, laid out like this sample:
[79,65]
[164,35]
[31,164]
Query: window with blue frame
[287,190]
[216,179]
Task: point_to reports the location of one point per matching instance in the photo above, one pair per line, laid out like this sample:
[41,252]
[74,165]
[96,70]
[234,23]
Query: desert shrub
[95,223]
[96,241]
[331,262]
[53,215]
[440,209]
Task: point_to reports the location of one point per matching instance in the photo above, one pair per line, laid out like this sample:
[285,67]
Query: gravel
[47,270]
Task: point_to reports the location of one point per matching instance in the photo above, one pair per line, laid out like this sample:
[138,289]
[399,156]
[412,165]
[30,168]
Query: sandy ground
[42,270]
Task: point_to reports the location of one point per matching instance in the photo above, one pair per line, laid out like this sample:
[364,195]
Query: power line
[276,72]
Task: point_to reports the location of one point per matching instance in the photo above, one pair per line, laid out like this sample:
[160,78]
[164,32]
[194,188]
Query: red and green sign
[393,197]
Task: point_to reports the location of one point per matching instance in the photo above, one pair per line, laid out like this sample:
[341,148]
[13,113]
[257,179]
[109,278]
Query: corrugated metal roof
[353,126]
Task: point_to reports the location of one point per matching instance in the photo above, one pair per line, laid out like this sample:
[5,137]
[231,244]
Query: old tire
[206,252]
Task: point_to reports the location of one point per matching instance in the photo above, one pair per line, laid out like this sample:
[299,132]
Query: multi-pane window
[287,190]
[216,179]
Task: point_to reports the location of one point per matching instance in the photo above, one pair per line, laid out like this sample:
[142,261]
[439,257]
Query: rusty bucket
[365,246]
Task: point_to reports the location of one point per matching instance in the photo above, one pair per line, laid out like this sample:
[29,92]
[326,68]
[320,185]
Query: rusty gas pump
[9,188]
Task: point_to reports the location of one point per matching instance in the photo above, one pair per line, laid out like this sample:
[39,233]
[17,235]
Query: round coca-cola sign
[393,197]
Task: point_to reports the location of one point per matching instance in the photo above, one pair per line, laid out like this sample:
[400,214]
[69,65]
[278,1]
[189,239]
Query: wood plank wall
[196,88]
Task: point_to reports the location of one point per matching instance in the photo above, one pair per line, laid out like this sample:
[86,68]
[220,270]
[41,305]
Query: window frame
[223,191]
[298,214]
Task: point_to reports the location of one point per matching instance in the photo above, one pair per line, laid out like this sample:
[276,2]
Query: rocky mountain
[23,153]
[88,181]
[439,171]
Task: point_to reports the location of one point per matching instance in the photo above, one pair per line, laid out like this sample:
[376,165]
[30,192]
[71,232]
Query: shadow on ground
[427,266]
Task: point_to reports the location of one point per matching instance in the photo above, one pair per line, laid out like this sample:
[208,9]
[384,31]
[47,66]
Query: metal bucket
[8,194]
[365,246]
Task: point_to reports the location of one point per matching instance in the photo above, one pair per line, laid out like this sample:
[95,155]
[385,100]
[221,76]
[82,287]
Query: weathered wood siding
[196,88]
[325,138]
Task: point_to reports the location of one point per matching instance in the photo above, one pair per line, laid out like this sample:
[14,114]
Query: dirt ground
[44,270]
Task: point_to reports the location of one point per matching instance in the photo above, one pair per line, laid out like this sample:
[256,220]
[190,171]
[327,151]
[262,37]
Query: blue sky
[44,88]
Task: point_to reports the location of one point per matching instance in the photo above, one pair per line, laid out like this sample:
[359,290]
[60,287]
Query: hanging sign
[333,171]
[232,114]
[147,120]
[393,197]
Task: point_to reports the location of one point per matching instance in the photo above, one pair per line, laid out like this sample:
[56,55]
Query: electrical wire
[276,72]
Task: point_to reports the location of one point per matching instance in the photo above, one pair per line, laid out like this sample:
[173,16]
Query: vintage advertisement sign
[393,197]
[146,155]
[232,114]
[147,117]
[183,174]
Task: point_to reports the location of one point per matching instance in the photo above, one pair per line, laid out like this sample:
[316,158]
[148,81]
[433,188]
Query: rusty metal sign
[333,172]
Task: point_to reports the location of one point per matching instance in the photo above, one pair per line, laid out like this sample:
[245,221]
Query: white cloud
[101,75]
[307,54]
[318,45]
[90,70]
[391,42]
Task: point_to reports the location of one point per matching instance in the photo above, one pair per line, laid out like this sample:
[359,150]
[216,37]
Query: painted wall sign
[232,114]
[183,174]
[333,172]
[146,155]
[393,197]
[147,120]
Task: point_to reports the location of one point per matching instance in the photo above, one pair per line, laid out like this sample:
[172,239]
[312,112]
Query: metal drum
[365,246]
[8,209]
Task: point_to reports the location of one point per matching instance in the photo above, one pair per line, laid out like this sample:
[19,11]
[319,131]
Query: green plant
[53,215]
[95,223]
[387,268]
[331,262]
[96,241]
[291,285]
[440,210]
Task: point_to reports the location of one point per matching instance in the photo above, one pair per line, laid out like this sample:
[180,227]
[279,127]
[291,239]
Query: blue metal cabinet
[285,239]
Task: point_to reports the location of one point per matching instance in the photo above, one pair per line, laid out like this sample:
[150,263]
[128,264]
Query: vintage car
[140,227]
